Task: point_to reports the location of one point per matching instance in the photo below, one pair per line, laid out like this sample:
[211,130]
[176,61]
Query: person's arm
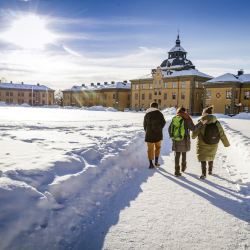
[223,136]
[145,123]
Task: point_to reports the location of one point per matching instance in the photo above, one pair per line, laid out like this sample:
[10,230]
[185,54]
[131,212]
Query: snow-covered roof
[244,78]
[188,72]
[148,76]
[228,77]
[115,85]
[177,48]
[24,86]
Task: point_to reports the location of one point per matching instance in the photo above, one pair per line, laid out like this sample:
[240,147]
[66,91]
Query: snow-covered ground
[63,170]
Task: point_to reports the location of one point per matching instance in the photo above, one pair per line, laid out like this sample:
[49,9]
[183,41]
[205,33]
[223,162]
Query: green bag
[177,129]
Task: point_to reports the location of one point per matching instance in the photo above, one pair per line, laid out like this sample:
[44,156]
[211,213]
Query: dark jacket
[154,122]
[207,152]
[185,144]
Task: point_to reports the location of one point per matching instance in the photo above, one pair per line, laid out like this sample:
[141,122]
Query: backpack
[211,134]
[177,129]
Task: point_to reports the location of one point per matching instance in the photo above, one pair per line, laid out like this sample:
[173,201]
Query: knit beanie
[208,110]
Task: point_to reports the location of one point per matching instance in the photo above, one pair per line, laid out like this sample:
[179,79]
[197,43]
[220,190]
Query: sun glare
[29,32]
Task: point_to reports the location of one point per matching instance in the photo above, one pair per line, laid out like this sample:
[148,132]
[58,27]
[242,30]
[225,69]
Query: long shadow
[94,236]
[238,209]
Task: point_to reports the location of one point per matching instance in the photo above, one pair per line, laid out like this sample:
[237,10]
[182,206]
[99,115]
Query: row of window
[173,85]
[229,94]
[21,94]
[165,96]
[21,101]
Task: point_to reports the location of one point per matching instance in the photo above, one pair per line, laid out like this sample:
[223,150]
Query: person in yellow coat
[208,140]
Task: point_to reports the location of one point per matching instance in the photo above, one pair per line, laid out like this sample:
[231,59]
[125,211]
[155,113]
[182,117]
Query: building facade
[34,95]
[114,94]
[175,83]
[230,94]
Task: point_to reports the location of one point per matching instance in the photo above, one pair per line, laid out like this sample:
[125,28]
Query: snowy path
[176,213]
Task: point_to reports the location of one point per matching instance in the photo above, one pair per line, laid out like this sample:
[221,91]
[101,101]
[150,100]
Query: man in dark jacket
[153,124]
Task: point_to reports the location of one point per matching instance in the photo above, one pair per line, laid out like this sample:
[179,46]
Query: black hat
[208,110]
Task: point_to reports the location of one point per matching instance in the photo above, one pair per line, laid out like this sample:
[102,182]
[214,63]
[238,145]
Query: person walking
[179,132]
[208,140]
[153,124]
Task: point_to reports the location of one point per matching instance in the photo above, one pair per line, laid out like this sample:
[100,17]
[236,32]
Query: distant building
[229,93]
[114,94]
[174,83]
[34,95]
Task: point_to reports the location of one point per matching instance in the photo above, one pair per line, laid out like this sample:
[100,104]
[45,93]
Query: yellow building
[174,83]
[114,94]
[230,94]
[34,95]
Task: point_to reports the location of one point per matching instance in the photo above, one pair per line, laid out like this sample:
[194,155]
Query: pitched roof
[188,72]
[22,86]
[228,77]
[115,85]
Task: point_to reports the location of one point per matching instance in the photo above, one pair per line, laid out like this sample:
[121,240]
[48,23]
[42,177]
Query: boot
[157,164]
[204,172]
[177,171]
[183,166]
[151,165]
[210,167]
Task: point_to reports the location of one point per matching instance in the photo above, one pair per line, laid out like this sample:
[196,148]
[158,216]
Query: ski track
[148,209]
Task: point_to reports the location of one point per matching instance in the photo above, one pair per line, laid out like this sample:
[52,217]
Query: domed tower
[177,58]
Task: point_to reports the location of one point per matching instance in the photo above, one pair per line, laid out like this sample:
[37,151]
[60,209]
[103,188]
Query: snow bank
[243,116]
[169,111]
[58,169]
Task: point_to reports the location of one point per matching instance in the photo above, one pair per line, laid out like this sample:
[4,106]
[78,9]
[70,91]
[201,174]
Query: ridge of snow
[228,77]
[189,72]
[177,48]
[24,86]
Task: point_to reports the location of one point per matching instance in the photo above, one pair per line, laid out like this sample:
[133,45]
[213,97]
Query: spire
[178,42]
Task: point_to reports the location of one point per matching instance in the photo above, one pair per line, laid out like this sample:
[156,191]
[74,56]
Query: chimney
[105,83]
[92,84]
[125,81]
[10,81]
[21,82]
[83,85]
[98,84]
[38,84]
[240,72]
[113,82]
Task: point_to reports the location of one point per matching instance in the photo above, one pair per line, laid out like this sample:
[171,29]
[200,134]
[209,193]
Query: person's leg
[177,163]
[203,170]
[157,152]
[183,161]
[150,154]
[210,167]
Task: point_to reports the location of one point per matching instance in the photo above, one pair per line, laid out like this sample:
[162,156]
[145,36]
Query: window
[155,92]
[7,93]
[105,96]
[43,95]
[174,96]
[246,95]
[246,109]
[208,94]
[183,85]
[150,96]
[165,85]
[183,95]
[228,94]
[196,84]
[19,94]
[136,96]
[136,86]
[128,97]
[150,86]
[11,93]
[174,85]
[236,94]
[159,92]
[143,96]
[165,96]
[29,94]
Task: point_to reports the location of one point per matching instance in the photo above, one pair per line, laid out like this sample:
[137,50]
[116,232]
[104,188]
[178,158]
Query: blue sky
[116,40]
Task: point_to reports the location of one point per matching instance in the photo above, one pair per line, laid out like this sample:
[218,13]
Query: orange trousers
[154,149]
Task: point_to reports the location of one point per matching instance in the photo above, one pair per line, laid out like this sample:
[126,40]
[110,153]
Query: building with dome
[175,83]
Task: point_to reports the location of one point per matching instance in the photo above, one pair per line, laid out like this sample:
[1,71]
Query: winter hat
[208,110]
[154,105]
[181,110]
